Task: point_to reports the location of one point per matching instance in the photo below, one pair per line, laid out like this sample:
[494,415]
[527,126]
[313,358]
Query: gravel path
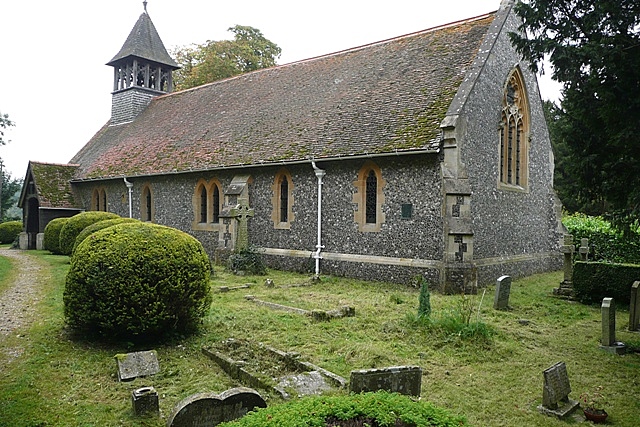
[17,302]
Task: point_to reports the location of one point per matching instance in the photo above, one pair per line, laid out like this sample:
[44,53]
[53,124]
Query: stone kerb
[319,315]
[555,392]
[396,379]
[210,409]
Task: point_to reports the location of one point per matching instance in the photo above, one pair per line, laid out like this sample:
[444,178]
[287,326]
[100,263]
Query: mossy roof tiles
[52,182]
[381,98]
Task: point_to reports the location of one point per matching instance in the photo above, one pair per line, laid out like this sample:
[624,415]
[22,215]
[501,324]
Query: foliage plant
[9,231]
[424,300]
[247,261]
[606,243]
[594,401]
[588,44]
[76,224]
[90,229]
[52,235]
[381,408]
[137,281]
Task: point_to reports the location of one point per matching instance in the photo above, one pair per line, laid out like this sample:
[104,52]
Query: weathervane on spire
[144,3]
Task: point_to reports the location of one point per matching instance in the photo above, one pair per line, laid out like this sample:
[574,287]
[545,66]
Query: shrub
[76,224]
[380,408]
[52,235]
[593,281]
[247,260]
[9,231]
[605,242]
[137,281]
[90,229]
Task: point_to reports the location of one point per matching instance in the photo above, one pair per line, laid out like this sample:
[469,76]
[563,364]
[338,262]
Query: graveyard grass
[47,378]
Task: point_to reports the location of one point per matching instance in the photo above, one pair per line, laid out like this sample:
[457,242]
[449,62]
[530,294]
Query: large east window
[514,134]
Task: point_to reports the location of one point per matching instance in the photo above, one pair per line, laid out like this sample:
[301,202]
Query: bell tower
[142,69]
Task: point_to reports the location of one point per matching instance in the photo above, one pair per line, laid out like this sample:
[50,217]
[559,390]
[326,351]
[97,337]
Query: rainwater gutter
[320,173]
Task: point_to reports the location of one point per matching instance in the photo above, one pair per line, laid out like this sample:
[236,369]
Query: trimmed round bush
[9,231]
[52,235]
[374,409]
[138,282]
[76,224]
[90,229]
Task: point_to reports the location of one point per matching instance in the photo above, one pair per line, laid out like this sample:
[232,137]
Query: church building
[426,154]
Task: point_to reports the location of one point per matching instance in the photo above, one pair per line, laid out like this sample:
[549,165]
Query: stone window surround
[99,199]
[276,200]
[516,80]
[209,187]
[144,207]
[360,198]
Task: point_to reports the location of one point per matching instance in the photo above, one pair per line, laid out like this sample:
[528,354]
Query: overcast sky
[57,88]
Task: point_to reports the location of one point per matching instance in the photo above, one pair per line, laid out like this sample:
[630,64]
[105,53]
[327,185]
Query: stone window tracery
[514,134]
[206,205]
[369,198]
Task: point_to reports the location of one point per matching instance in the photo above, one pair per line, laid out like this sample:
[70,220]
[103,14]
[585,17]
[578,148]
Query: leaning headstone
[210,409]
[396,379]
[145,402]
[138,364]
[555,392]
[503,289]
[608,342]
[634,308]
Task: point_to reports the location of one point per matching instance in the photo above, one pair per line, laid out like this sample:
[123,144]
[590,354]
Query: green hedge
[9,231]
[52,235]
[76,224]
[381,408]
[605,243]
[137,282]
[90,229]
[593,281]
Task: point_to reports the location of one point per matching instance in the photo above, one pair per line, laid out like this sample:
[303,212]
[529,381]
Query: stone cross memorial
[503,289]
[609,343]
[634,307]
[555,392]
[210,409]
[567,248]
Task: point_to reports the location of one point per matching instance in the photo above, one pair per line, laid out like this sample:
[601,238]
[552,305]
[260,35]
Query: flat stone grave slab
[210,409]
[260,366]
[138,364]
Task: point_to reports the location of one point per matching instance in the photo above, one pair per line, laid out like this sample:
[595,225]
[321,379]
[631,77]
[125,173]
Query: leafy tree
[594,50]
[4,124]
[9,198]
[216,60]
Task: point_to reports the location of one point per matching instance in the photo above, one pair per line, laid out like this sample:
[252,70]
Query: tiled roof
[381,98]
[144,42]
[52,183]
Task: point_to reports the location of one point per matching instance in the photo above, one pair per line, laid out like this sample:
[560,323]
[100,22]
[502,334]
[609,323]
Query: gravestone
[503,289]
[396,379]
[634,308]
[145,401]
[584,249]
[138,364]
[567,248]
[608,342]
[555,392]
[210,409]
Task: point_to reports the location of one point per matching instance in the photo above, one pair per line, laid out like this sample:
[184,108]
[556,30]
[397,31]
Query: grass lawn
[59,381]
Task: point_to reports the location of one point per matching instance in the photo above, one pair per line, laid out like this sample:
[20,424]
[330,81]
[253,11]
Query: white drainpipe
[316,255]
[130,187]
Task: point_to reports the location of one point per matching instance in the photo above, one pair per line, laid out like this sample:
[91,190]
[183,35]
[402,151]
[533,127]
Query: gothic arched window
[282,200]
[369,198]
[514,133]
